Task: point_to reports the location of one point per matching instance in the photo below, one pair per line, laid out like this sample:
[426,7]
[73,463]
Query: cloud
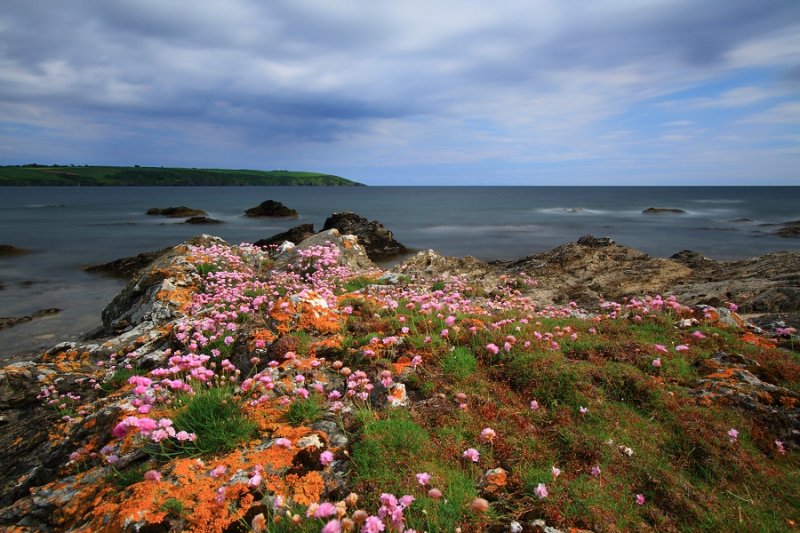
[362,85]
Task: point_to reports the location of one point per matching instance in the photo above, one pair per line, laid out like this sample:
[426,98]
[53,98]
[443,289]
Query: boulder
[7,250]
[351,253]
[295,235]
[176,212]
[377,240]
[126,267]
[663,211]
[270,208]
[7,322]
[789,229]
[202,220]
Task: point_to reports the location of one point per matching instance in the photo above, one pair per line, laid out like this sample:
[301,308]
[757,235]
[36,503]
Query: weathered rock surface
[596,268]
[126,267]
[663,211]
[7,322]
[202,220]
[7,250]
[431,265]
[270,208]
[787,229]
[351,253]
[176,212]
[296,235]
[376,239]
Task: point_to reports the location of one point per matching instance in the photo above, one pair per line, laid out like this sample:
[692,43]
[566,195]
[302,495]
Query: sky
[412,92]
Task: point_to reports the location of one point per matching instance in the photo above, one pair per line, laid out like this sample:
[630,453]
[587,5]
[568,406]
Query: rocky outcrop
[7,322]
[786,229]
[202,220]
[126,267]
[7,250]
[270,208]
[295,235]
[593,269]
[351,253]
[376,239]
[176,212]
[663,211]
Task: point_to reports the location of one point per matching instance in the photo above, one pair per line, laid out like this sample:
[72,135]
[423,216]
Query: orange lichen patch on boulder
[328,343]
[307,489]
[264,335]
[725,373]
[292,433]
[789,402]
[756,340]
[67,360]
[265,415]
[181,297]
[401,364]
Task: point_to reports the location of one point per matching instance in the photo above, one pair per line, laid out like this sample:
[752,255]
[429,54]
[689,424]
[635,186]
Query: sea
[68,228]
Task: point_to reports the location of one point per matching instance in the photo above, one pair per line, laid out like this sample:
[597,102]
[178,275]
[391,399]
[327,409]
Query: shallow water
[68,228]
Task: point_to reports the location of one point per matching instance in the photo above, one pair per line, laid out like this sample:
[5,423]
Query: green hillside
[132,176]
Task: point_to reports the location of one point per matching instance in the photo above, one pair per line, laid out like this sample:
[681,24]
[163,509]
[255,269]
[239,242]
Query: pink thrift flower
[423,478]
[733,307]
[372,524]
[660,348]
[733,435]
[657,362]
[584,410]
[334,526]
[220,497]
[152,475]
[556,471]
[595,471]
[487,435]
[534,405]
[254,481]
[283,443]
[492,348]
[779,445]
[404,330]
[326,458]
[434,494]
[698,335]
[444,333]
[541,491]
[471,454]
[450,320]
[640,499]
[218,471]
[681,348]
[324,510]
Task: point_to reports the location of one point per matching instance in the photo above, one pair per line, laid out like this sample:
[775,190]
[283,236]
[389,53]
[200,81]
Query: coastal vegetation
[55,175]
[296,391]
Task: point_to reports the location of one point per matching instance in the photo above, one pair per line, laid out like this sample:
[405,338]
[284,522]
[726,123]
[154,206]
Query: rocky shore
[441,393]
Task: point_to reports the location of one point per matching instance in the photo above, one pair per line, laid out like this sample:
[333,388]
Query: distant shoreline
[137,176]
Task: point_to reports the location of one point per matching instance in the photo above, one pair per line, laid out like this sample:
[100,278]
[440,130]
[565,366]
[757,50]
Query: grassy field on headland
[42,175]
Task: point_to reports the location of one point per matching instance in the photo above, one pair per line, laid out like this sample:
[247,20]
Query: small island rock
[7,250]
[377,240]
[296,235]
[176,212]
[270,208]
[663,211]
[202,220]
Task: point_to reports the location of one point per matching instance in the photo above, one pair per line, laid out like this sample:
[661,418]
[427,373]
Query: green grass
[459,364]
[126,176]
[215,416]
[304,411]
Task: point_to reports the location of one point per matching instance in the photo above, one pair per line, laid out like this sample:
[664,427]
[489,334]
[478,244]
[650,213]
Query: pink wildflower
[472,454]
[334,526]
[492,348]
[681,348]
[733,307]
[450,320]
[584,410]
[487,435]
[657,362]
[556,471]
[283,443]
[324,510]
[779,445]
[434,494]
[534,405]
[219,471]
[152,475]
[423,478]
[254,481]
[698,334]
[326,458]
[372,524]
[479,505]
[733,435]
[660,348]
[595,471]
[541,491]
[640,499]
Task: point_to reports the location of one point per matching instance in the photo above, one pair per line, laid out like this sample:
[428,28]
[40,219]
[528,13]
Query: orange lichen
[401,364]
[756,340]
[307,489]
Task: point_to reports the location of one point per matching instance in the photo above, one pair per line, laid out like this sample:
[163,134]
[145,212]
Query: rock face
[9,250]
[351,253]
[596,268]
[663,211]
[126,267]
[296,235]
[377,240]
[202,220]
[788,229]
[176,212]
[270,208]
